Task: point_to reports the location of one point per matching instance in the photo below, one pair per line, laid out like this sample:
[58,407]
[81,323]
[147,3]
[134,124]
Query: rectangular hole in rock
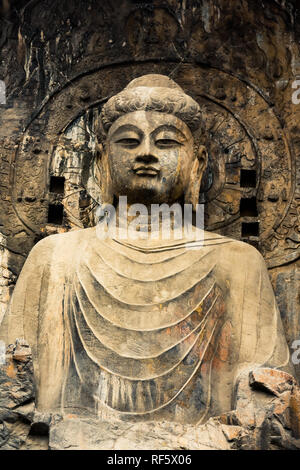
[248,179]
[57,184]
[55,214]
[248,207]
[250,229]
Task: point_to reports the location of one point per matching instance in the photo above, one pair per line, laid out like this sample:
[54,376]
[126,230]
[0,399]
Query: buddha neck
[159,223]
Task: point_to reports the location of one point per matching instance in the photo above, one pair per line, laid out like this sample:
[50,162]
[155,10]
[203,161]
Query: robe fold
[144,332]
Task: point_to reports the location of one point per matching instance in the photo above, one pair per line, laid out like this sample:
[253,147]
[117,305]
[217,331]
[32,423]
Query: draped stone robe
[143,331]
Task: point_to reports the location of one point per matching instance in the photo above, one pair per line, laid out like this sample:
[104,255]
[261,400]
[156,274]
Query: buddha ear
[102,175]
[199,164]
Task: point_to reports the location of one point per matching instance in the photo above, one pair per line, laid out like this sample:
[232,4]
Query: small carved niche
[248,207]
[55,214]
[57,184]
[250,229]
[248,179]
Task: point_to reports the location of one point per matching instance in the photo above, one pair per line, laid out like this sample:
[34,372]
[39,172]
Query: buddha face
[150,157]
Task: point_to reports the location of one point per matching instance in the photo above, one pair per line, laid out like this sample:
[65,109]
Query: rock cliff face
[60,61]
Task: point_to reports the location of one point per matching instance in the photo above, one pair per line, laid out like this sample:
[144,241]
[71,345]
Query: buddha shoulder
[59,247]
[238,255]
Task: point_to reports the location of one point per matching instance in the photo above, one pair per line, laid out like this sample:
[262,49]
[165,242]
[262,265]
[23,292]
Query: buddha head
[151,148]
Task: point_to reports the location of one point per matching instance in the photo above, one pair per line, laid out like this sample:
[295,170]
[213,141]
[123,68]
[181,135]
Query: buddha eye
[167,143]
[129,142]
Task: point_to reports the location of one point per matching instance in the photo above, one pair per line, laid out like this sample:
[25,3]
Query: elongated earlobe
[192,193]
[102,175]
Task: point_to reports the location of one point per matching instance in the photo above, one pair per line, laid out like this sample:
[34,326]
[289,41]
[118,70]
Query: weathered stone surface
[260,421]
[50,76]
[88,434]
[135,321]
[239,60]
[265,408]
[16,396]
[266,426]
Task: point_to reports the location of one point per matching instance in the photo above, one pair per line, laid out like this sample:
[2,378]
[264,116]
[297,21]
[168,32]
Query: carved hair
[152,93]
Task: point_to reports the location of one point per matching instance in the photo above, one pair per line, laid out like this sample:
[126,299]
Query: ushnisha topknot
[152,92]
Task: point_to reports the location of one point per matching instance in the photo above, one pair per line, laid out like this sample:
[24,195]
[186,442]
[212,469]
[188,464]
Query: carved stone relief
[61,61]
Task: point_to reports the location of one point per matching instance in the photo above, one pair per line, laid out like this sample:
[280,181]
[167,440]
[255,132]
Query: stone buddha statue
[146,329]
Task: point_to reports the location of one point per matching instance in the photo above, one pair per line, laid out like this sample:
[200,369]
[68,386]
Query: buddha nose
[146,153]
